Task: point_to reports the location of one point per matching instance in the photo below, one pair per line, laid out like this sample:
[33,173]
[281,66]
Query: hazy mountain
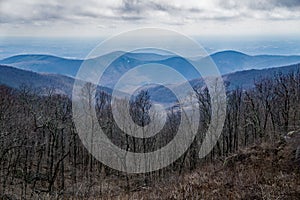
[69,67]
[243,79]
[246,79]
[14,77]
[226,61]
[44,63]
[231,61]
[148,56]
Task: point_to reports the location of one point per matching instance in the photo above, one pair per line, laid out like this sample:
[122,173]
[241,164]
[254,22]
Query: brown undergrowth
[264,171]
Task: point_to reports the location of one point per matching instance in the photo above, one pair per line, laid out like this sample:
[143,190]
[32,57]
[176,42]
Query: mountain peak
[229,52]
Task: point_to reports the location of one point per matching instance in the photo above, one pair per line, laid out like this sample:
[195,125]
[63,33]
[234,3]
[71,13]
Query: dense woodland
[41,154]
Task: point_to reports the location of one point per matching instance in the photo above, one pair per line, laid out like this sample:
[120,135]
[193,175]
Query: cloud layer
[108,14]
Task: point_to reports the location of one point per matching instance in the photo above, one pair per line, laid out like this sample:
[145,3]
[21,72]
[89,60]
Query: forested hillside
[41,155]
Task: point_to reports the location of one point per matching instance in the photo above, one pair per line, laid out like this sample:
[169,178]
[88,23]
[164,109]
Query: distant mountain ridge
[44,64]
[14,77]
[227,62]
[241,79]
[232,61]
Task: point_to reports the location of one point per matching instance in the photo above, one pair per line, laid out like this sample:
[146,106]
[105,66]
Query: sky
[93,18]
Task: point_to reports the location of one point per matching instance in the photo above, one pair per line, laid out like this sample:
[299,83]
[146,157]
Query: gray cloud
[260,5]
[130,12]
[287,3]
[132,6]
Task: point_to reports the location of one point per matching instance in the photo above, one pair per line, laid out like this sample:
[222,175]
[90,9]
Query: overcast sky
[106,17]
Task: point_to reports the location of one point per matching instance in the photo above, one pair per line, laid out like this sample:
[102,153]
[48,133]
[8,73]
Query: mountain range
[15,78]
[226,61]
[245,79]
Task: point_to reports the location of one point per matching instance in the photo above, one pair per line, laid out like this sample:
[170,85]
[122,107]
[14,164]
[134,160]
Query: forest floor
[261,171]
[264,171]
